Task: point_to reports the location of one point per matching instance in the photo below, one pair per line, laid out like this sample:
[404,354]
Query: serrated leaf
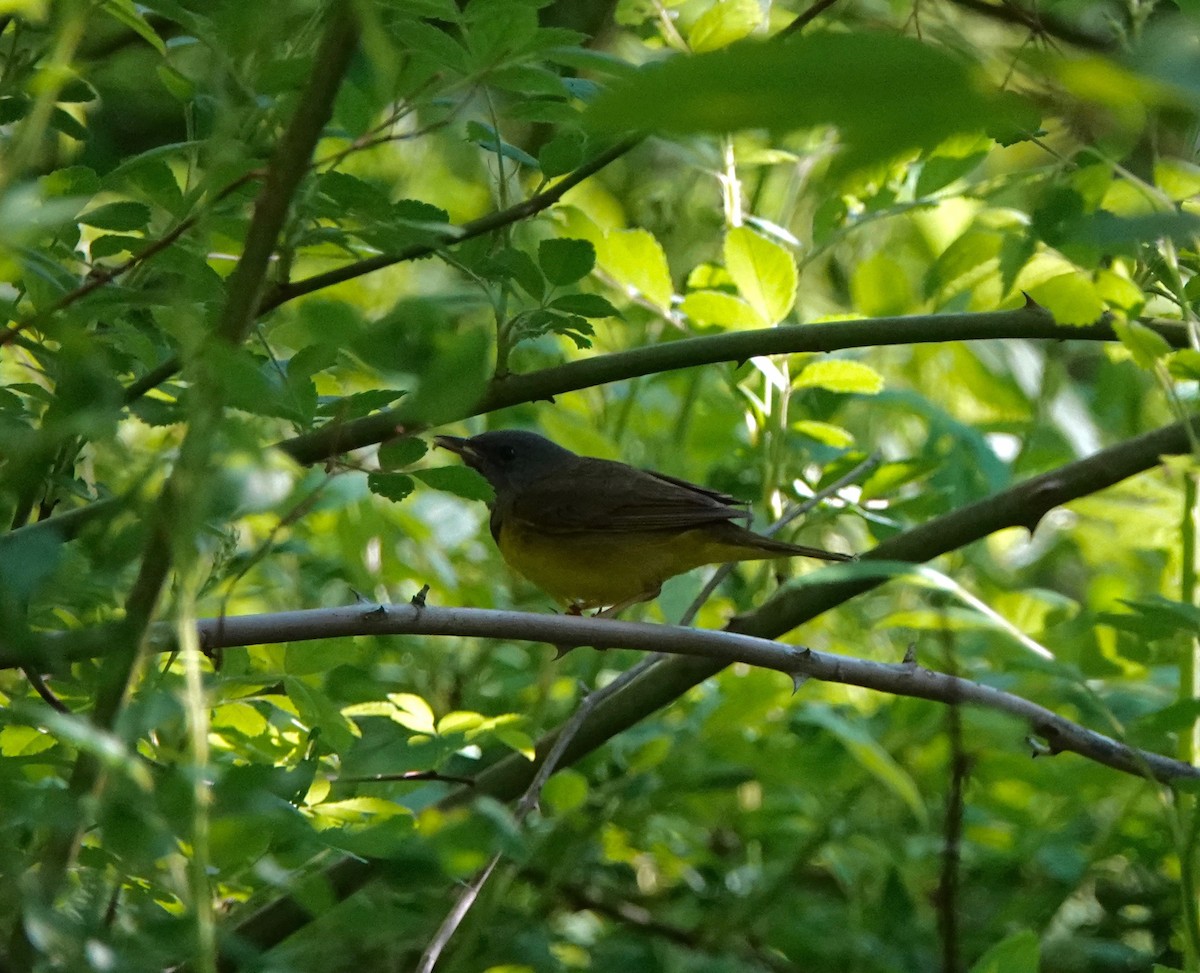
[396,454]
[1120,292]
[1146,346]
[111,244]
[723,23]
[462,481]
[121,216]
[764,272]
[518,265]
[587,305]
[841,375]
[562,153]
[637,261]
[391,486]
[1071,298]
[360,403]
[565,261]
[719,308]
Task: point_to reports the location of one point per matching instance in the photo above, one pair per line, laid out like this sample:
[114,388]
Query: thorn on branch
[1040,748]
[910,654]
[418,600]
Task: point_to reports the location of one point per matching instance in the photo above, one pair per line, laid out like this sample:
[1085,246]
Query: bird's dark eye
[507,454]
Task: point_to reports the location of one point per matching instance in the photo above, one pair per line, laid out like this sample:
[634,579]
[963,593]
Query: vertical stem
[948,884]
[1189,740]
[196,706]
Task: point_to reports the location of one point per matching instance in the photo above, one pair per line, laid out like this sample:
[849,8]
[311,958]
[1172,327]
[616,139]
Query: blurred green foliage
[890,160]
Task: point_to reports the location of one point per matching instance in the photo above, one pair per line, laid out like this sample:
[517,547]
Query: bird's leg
[620,606]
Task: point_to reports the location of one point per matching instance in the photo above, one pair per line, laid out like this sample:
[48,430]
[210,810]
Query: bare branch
[733,346]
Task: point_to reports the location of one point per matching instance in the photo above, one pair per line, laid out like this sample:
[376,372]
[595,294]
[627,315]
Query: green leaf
[413,713]
[1146,346]
[1180,715]
[969,261]
[126,13]
[519,266]
[868,753]
[721,309]
[885,93]
[841,375]
[880,287]
[391,486]
[1071,298]
[637,261]
[1019,953]
[455,380]
[66,123]
[317,710]
[462,481]
[397,454]
[76,91]
[824,432]
[566,261]
[587,305]
[177,83]
[360,403]
[765,273]
[723,23]
[566,791]
[1185,365]
[123,216]
[562,153]
[550,321]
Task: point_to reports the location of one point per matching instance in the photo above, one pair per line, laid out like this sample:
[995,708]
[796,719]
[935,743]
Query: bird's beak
[456,444]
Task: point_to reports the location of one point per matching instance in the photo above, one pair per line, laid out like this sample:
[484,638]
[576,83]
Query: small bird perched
[595,533]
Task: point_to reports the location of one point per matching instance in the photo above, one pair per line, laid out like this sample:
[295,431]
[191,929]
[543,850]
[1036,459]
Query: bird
[596,533]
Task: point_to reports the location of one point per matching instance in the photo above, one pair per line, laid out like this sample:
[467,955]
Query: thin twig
[525,806]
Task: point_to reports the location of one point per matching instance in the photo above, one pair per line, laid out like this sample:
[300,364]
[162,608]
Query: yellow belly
[594,570]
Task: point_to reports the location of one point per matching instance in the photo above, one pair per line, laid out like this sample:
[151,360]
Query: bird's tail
[770,547]
[801,550]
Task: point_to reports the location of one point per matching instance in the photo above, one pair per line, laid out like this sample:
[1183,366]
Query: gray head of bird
[508,459]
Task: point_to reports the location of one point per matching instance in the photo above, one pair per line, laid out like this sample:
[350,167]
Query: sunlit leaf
[637,261]
[841,375]
[723,23]
[764,272]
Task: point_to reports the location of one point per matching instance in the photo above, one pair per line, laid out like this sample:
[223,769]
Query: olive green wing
[598,494]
